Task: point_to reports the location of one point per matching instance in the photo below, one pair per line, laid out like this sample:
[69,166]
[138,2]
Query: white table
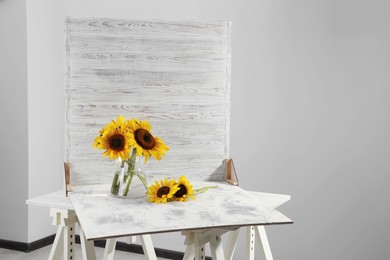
[203,220]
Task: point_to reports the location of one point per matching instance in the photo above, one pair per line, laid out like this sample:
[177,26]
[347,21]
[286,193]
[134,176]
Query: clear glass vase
[129,178]
[120,178]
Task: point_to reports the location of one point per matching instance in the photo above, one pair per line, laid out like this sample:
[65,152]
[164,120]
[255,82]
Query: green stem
[127,188]
[115,185]
[131,160]
[143,181]
[130,170]
[203,189]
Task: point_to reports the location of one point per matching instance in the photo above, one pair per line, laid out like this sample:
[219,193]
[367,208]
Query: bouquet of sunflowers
[125,141]
[129,140]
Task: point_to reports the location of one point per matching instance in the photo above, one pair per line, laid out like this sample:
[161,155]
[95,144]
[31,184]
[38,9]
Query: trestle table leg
[216,247]
[87,247]
[147,246]
[263,241]
[58,245]
[69,235]
[200,253]
[196,241]
[189,242]
[231,244]
[131,239]
[65,220]
[250,244]
[109,250]
[189,253]
[258,233]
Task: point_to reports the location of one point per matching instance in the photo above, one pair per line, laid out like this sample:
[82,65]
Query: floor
[44,252]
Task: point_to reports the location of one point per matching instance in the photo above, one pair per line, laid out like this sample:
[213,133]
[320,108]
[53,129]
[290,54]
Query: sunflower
[97,141]
[114,139]
[185,190]
[144,142]
[160,192]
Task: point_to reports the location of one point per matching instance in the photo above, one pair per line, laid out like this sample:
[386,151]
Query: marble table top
[103,216]
[55,199]
[58,199]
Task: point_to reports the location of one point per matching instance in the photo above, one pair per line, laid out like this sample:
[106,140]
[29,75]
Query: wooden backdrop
[176,74]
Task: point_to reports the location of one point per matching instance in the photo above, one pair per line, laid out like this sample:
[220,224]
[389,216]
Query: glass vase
[129,178]
[137,185]
[119,179]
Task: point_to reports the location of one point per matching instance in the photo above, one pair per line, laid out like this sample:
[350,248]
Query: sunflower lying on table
[173,190]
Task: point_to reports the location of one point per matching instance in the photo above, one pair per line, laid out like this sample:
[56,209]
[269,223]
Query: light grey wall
[310,114]
[13,118]
[314,83]
[320,105]
[45,106]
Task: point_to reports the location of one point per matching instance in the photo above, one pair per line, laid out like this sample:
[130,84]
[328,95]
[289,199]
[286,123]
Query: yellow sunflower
[185,190]
[160,192]
[114,139]
[97,141]
[146,144]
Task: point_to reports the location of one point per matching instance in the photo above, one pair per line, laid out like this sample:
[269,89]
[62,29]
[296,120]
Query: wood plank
[147,27]
[176,74]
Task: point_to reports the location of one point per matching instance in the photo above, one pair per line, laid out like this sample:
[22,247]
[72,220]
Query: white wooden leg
[189,242]
[189,253]
[263,240]
[196,240]
[216,247]
[64,240]
[250,237]
[69,242]
[147,246]
[131,239]
[58,244]
[231,244]
[200,253]
[109,250]
[87,247]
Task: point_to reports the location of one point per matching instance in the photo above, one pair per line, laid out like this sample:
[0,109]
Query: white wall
[310,113]
[13,118]
[45,106]
[319,104]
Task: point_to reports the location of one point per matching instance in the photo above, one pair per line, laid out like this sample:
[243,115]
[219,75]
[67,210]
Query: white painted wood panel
[176,74]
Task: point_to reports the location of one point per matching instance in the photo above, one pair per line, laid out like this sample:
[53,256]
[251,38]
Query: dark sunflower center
[181,192]
[144,139]
[164,190]
[117,142]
